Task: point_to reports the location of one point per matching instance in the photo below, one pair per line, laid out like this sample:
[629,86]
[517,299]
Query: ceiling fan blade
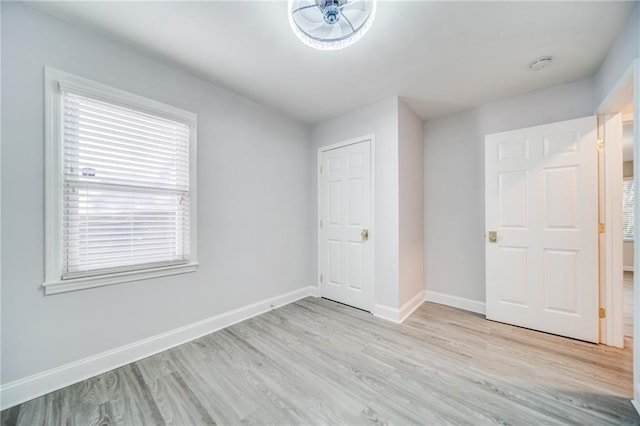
[339,30]
[309,14]
[344,18]
[320,31]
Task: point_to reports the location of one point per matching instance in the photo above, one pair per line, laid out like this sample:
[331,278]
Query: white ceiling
[440,57]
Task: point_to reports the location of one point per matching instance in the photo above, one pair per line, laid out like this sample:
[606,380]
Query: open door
[541,189]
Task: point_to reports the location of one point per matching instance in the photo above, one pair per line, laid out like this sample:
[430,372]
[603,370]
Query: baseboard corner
[314,291]
[386,312]
[398,315]
[411,305]
[456,302]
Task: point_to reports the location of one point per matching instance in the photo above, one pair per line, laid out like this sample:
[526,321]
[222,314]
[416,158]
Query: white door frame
[611,284]
[636,277]
[321,150]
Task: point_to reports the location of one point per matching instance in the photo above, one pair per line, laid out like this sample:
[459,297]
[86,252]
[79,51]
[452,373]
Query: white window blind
[125,188]
[628,195]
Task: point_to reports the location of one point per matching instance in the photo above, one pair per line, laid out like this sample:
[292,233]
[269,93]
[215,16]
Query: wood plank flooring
[319,362]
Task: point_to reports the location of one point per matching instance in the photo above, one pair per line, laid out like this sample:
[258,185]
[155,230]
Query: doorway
[628,228]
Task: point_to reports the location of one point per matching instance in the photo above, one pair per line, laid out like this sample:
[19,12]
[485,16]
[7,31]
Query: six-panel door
[345,213]
[542,200]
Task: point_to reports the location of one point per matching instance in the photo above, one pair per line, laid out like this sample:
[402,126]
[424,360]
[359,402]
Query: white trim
[636,405]
[411,305]
[456,302]
[64,81]
[636,249]
[53,81]
[372,143]
[61,286]
[313,291]
[611,251]
[398,315]
[39,384]
[386,312]
[348,142]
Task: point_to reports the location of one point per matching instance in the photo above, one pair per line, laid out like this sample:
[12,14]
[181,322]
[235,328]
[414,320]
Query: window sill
[62,286]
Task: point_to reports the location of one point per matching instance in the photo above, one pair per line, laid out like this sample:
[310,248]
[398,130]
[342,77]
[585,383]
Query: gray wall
[454,164]
[411,203]
[253,202]
[381,120]
[620,57]
[454,180]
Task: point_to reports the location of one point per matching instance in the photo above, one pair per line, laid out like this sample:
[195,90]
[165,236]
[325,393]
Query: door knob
[493,236]
[365,234]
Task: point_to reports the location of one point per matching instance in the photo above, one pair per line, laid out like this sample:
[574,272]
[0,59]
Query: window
[628,195]
[120,186]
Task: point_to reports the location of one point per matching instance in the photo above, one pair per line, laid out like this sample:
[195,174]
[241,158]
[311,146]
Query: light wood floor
[319,362]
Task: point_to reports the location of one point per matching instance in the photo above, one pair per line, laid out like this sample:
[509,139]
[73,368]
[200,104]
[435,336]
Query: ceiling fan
[331,24]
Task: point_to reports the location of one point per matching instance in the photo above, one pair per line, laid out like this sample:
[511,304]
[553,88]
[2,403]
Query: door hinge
[601,228]
[320,169]
[320,224]
[602,313]
[320,277]
[600,144]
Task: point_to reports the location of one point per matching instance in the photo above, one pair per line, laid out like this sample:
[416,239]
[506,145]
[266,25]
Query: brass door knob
[365,234]
[493,236]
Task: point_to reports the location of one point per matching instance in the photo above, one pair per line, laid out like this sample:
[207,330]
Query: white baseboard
[398,315]
[386,312]
[636,405]
[25,389]
[456,302]
[414,303]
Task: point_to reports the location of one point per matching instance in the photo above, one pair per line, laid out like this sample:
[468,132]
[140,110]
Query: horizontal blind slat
[628,212]
[91,148]
[107,268]
[118,241]
[107,155]
[79,262]
[73,138]
[119,111]
[124,188]
[122,252]
[87,113]
[73,132]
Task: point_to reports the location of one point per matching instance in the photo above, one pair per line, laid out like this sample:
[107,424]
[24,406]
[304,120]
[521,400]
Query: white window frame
[53,282]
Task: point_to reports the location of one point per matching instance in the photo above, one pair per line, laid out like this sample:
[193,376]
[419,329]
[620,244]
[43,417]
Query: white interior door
[542,202]
[345,206]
